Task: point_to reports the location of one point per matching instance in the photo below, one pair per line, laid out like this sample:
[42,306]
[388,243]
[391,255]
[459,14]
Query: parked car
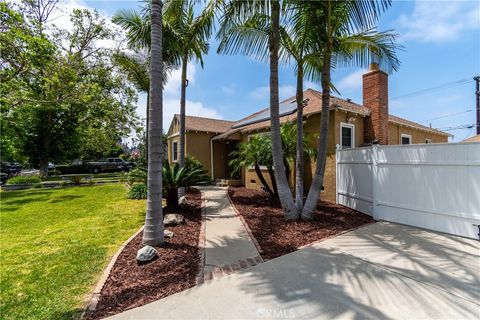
[10,169]
[76,167]
[109,165]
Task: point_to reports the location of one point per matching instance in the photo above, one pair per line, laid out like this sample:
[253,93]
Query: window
[428,140]
[406,139]
[347,135]
[175,151]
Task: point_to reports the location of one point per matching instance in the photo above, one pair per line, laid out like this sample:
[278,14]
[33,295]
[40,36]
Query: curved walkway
[228,246]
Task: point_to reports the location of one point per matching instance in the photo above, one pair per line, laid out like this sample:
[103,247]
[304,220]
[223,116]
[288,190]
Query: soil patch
[131,285]
[277,236]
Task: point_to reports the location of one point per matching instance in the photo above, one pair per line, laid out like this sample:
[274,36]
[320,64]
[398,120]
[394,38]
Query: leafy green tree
[66,87]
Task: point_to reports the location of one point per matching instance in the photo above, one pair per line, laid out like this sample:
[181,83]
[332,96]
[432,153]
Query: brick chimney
[375,97]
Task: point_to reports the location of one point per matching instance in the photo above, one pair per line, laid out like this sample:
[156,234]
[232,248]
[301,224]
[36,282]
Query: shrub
[76,180]
[24,180]
[137,175]
[137,191]
[37,185]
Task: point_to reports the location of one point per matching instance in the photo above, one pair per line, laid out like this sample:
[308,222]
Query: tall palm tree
[345,36]
[191,34]
[153,233]
[267,13]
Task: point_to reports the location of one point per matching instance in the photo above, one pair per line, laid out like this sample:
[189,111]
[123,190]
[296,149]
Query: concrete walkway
[381,271]
[227,240]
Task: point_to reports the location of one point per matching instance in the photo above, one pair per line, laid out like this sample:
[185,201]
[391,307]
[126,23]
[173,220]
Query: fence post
[337,154]
[374,181]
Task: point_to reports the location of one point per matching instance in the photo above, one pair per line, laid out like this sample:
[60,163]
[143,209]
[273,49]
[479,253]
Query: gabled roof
[202,124]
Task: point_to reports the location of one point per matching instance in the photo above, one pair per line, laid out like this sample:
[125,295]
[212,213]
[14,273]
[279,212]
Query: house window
[428,140]
[406,139]
[347,135]
[175,151]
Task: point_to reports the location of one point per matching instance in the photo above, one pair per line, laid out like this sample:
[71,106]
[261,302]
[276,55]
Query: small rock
[173,219]
[168,234]
[146,254]
[182,200]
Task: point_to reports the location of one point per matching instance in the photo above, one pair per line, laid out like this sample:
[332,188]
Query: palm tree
[345,36]
[255,152]
[191,34]
[153,233]
[266,14]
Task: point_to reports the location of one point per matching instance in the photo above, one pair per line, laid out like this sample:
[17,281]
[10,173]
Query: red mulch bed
[277,236]
[131,285]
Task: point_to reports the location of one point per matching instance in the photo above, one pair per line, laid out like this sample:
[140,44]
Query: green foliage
[61,97]
[137,191]
[175,177]
[136,175]
[24,180]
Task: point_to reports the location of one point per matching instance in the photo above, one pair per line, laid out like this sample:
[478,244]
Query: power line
[463,126]
[448,115]
[443,86]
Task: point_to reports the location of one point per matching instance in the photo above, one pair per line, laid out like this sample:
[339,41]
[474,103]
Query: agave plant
[175,177]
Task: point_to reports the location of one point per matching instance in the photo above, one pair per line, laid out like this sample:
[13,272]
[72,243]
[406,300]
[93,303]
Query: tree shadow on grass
[66,197]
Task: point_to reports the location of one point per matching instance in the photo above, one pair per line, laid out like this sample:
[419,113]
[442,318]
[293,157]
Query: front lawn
[55,244]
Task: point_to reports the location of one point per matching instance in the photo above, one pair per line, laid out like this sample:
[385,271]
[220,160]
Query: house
[351,125]
[473,139]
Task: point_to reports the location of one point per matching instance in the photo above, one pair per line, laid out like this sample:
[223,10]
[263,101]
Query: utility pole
[477,93]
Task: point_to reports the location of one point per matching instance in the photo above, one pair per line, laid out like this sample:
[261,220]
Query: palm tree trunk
[299,164]
[284,192]
[274,182]
[153,231]
[264,183]
[181,148]
[316,187]
[147,126]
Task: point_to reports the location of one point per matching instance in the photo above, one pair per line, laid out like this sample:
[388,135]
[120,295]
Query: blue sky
[441,42]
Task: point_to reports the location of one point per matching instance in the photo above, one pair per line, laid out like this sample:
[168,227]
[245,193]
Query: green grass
[55,244]
[98,176]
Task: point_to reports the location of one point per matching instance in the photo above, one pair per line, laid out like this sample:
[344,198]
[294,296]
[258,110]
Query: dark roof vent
[349,100]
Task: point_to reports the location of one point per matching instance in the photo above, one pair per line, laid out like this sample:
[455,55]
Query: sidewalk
[227,241]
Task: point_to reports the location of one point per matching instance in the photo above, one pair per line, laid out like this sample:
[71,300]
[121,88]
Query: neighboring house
[351,125]
[473,139]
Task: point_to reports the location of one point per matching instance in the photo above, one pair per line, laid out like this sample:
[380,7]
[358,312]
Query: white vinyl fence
[432,186]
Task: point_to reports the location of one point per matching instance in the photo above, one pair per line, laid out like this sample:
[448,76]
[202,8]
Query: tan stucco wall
[395,132]
[198,146]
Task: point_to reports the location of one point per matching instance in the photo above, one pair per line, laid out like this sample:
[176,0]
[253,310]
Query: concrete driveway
[381,271]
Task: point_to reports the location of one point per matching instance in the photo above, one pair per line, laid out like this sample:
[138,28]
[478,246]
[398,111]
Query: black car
[110,165]
[11,169]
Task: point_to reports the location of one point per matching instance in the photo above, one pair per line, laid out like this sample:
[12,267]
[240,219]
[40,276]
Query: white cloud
[229,89]
[351,82]
[261,93]
[439,21]
[175,79]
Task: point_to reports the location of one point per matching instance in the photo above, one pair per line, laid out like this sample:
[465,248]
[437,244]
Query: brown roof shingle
[202,124]
[314,106]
